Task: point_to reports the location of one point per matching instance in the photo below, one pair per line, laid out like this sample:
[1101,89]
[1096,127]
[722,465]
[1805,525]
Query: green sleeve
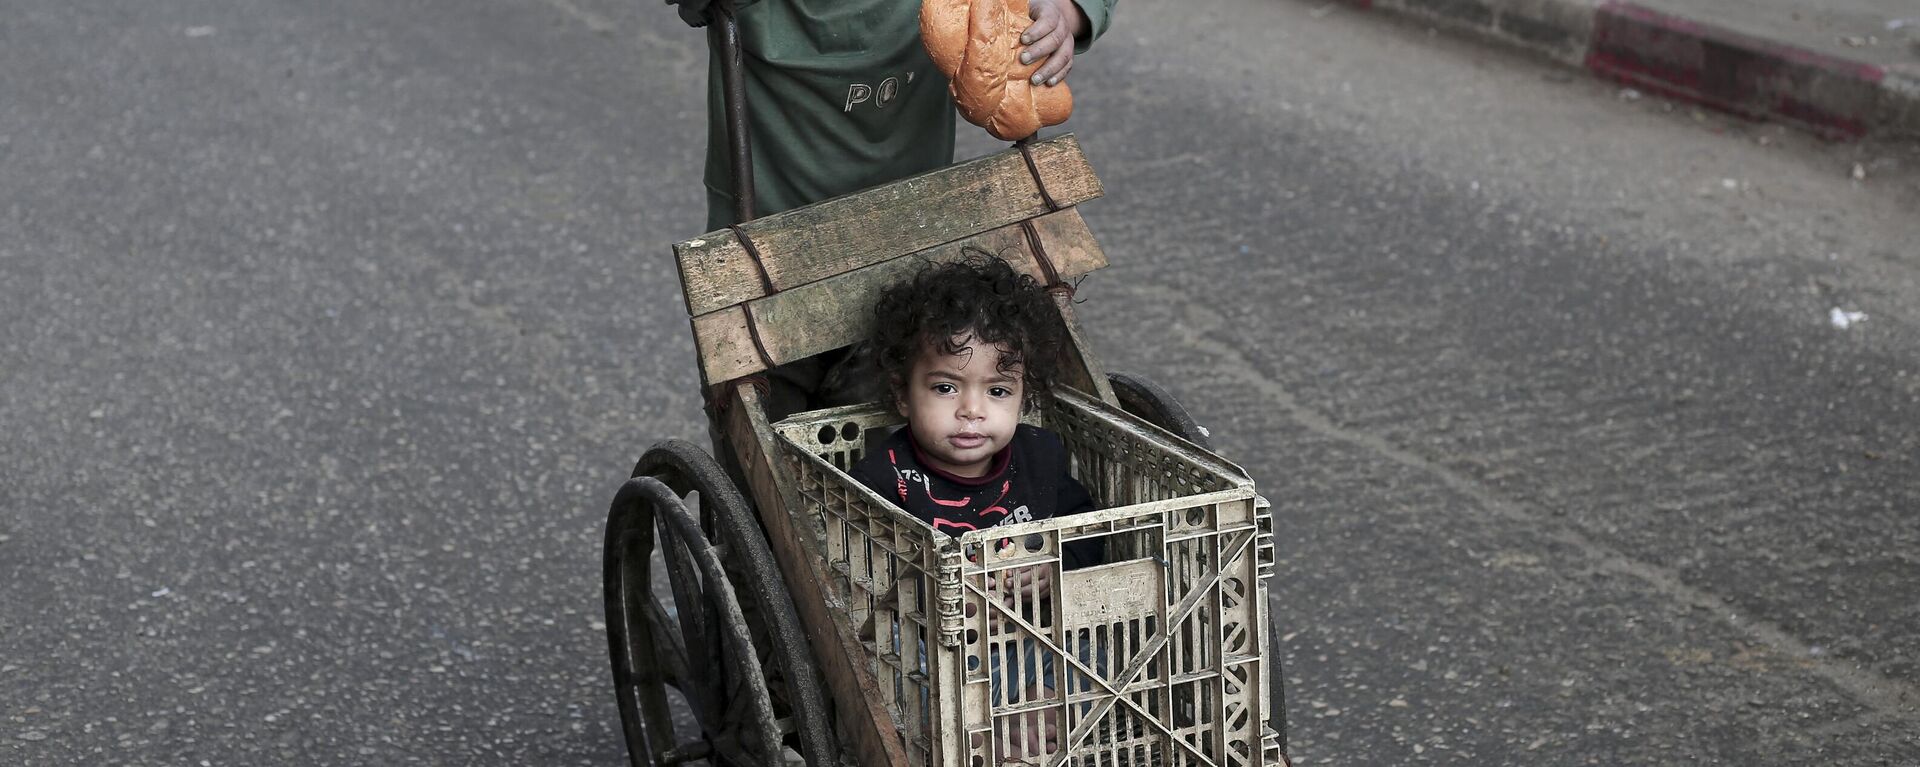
[1099,14]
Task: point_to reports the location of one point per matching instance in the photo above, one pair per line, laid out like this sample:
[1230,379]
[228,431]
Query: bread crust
[976,43]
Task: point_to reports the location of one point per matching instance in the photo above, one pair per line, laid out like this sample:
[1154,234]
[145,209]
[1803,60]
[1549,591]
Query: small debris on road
[1844,319]
[1629,94]
[32,735]
[200,31]
[1859,172]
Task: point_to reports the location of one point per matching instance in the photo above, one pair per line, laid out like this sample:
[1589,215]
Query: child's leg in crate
[1024,670]
[1021,669]
[1023,676]
[1029,675]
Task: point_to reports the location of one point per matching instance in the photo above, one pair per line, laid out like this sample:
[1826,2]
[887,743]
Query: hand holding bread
[1005,60]
[1056,25]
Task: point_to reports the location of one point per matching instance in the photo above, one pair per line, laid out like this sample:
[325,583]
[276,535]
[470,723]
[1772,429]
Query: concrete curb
[1689,60]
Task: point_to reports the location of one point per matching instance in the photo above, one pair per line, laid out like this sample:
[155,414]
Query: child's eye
[944,388]
[1000,391]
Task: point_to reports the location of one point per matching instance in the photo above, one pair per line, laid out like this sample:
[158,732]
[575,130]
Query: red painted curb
[1732,72]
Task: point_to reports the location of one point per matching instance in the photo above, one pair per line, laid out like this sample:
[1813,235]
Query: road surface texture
[327,331]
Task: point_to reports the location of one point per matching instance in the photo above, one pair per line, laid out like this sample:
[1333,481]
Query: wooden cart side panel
[862,722]
[835,312]
[813,243]
[1081,369]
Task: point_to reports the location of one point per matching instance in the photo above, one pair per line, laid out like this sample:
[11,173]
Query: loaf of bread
[977,44]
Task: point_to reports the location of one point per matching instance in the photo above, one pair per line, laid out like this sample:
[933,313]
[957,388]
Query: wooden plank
[831,237]
[864,725]
[836,312]
[1081,370]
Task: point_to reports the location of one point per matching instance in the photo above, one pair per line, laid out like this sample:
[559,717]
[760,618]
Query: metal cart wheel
[1142,397]
[1277,685]
[725,637]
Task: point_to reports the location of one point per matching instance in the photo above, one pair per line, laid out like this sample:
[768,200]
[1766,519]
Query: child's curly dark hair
[979,295]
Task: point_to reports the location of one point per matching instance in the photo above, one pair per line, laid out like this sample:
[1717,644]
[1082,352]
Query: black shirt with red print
[1027,481]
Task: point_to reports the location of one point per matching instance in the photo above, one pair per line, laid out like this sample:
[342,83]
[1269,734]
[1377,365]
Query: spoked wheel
[1142,397]
[725,634]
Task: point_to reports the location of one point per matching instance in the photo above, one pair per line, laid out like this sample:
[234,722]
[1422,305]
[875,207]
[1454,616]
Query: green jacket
[840,96]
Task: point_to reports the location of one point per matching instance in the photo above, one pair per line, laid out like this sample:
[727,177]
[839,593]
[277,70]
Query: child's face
[963,408]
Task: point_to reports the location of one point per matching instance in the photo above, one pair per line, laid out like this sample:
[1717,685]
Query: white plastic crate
[1157,657]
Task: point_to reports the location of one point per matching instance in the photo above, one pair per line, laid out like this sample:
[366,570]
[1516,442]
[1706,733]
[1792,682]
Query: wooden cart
[808,617]
[809,582]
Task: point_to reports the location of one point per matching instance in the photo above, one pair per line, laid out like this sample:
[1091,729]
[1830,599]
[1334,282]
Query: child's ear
[898,389]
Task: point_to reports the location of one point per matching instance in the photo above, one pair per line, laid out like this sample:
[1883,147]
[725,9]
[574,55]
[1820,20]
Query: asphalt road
[327,331]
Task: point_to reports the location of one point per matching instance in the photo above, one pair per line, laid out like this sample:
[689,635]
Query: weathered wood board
[863,723]
[1080,369]
[835,312]
[819,241]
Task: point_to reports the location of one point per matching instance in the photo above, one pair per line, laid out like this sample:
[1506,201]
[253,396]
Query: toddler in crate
[965,348]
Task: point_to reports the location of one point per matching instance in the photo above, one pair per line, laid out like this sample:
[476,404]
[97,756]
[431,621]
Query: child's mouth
[967,441]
